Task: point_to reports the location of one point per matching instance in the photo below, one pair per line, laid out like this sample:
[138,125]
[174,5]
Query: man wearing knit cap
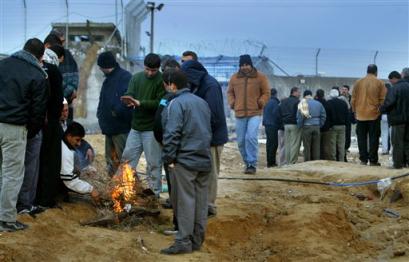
[367,97]
[247,94]
[114,117]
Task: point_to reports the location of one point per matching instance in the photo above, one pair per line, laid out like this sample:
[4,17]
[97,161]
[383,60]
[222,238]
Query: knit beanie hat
[106,60]
[245,59]
[333,93]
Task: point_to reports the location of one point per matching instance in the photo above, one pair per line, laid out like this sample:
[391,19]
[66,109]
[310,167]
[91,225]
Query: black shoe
[363,163]
[195,247]
[12,226]
[167,204]
[177,248]
[251,170]
[375,164]
[271,166]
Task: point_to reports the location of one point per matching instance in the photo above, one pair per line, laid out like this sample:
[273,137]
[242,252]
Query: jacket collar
[182,91]
[251,74]
[29,58]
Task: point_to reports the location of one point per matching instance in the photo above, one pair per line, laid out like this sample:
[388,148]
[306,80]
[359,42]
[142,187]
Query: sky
[348,32]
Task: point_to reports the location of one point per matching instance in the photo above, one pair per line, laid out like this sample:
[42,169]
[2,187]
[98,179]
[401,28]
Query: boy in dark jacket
[186,150]
[272,123]
[114,117]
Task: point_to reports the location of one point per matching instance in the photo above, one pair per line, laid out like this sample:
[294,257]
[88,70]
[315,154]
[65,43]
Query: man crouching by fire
[69,173]
[186,150]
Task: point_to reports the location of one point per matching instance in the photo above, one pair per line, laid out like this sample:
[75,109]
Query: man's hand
[130,101]
[90,155]
[73,95]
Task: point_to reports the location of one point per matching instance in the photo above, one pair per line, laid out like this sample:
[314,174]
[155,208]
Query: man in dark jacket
[397,106]
[186,150]
[292,134]
[272,123]
[114,117]
[339,115]
[206,87]
[23,98]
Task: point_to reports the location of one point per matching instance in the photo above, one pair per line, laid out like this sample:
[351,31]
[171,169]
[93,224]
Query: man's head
[394,77]
[74,133]
[372,69]
[344,90]
[59,51]
[405,73]
[51,40]
[60,34]
[106,62]
[64,111]
[307,93]
[152,65]
[174,79]
[35,47]
[320,94]
[245,63]
[295,91]
[333,93]
[189,55]
[273,92]
[169,64]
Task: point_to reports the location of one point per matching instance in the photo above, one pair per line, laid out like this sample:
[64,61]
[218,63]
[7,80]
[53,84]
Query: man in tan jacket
[248,92]
[367,97]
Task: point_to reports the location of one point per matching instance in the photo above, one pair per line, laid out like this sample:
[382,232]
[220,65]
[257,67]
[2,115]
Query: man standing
[344,91]
[144,93]
[292,134]
[339,118]
[206,87]
[397,106]
[186,151]
[113,116]
[272,123]
[23,98]
[189,55]
[367,97]
[247,94]
[310,118]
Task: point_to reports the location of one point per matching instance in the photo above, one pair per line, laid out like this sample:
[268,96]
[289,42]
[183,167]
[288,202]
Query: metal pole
[123,41]
[152,21]
[316,61]
[66,26]
[116,13]
[25,20]
[374,57]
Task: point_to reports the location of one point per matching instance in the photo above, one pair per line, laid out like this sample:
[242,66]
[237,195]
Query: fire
[124,190]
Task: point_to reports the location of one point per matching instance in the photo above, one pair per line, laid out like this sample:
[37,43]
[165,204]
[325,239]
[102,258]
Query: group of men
[324,125]
[174,114]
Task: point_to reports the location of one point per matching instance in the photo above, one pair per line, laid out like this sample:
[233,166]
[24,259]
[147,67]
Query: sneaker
[170,232]
[251,170]
[177,248]
[36,210]
[12,226]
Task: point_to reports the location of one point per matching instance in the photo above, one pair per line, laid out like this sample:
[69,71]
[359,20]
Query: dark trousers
[400,142]
[371,129]
[348,128]
[272,144]
[311,140]
[175,220]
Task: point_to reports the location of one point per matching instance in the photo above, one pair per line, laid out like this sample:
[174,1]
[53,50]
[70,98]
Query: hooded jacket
[114,117]
[248,93]
[206,87]
[23,91]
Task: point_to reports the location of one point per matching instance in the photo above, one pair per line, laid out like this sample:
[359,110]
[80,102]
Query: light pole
[151,6]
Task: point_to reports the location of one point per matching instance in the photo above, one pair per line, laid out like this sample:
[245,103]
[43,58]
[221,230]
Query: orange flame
[124,189]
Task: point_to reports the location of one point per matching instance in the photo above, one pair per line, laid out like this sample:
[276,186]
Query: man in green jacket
[144,93]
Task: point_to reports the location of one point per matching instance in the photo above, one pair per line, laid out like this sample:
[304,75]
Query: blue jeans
[12,148]
[144,141]
[247,138]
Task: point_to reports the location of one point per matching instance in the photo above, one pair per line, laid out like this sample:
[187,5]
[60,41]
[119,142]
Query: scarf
[303,107]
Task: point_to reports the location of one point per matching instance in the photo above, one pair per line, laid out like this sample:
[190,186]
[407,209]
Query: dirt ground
[256,221]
